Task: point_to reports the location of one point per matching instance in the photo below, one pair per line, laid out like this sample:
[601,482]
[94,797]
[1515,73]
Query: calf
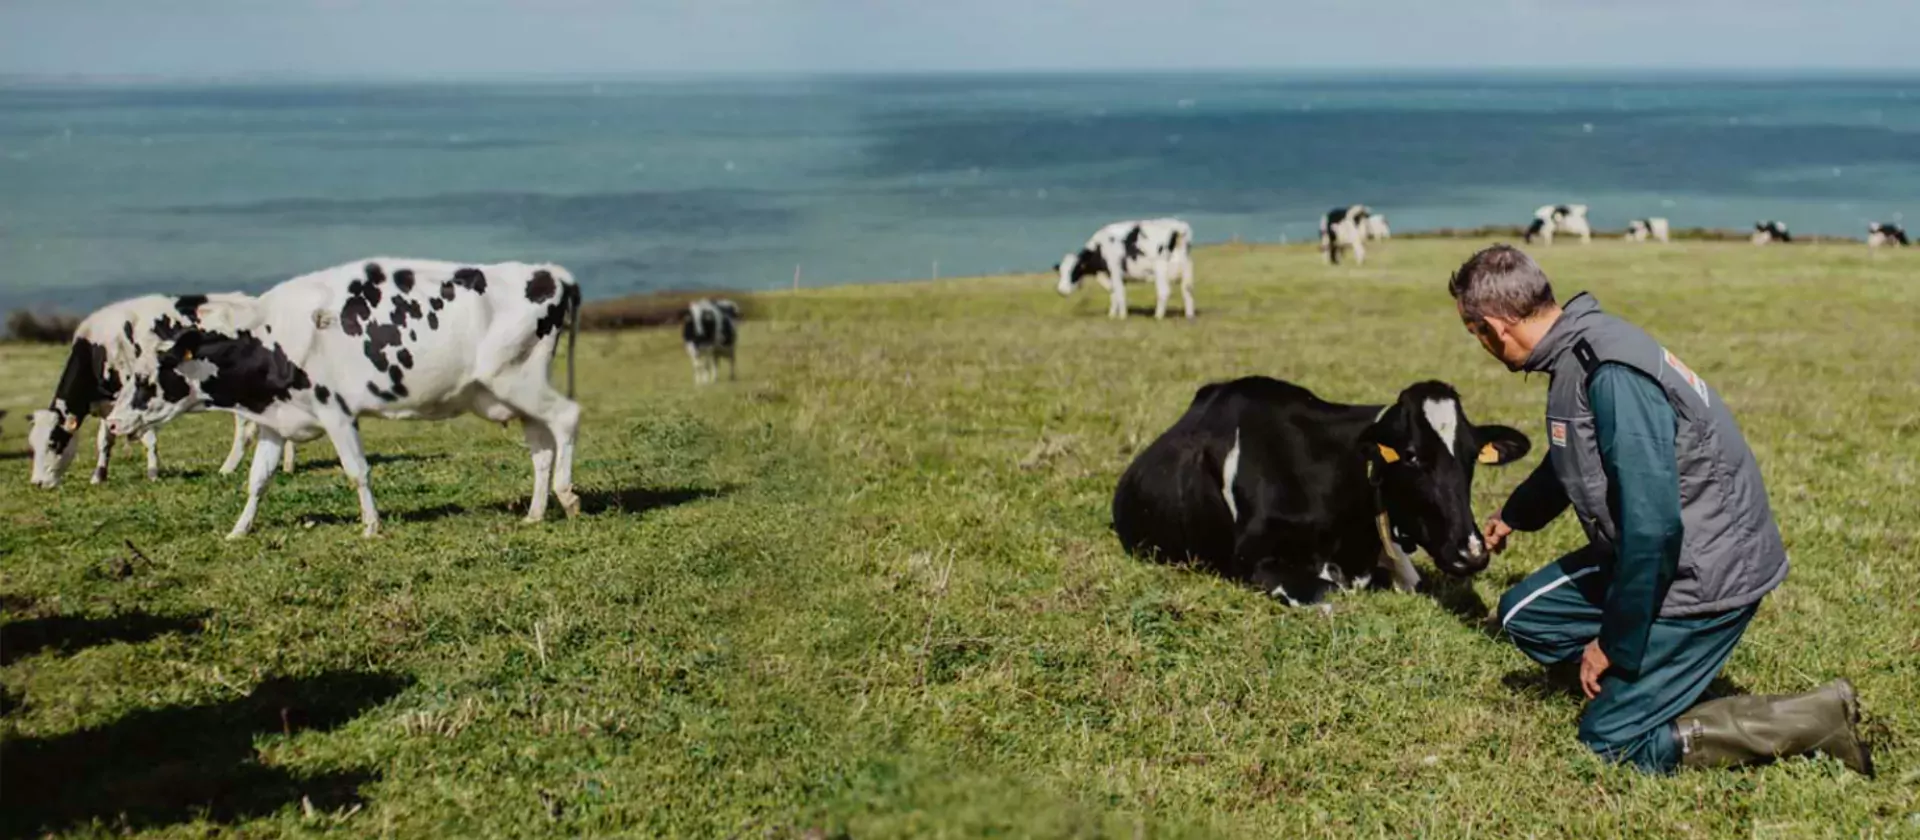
[396,338]
[1641,230]
[710,336]
[1377,227]
[1157,250]
[1770,231]
[1345,227]
[110,347]
[1884,234]
[1570,219]
[1263,482]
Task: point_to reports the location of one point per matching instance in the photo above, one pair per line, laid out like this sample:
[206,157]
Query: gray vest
[1731,553]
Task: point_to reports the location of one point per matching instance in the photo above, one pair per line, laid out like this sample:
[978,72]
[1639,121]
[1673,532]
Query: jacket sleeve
[1537,501]
[1636,426]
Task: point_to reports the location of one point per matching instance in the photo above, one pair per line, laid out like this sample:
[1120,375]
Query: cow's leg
[1117,300]
[1162,288]
[353,462]
[1327,248]
[265,454]
[151,440]
[243,431]
[1359,250]
[1186,285]
[540,443]
[538,404]
[693,356]
[103,448]
[733,368]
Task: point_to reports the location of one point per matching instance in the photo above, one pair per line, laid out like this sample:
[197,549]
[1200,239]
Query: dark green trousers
[1555,612]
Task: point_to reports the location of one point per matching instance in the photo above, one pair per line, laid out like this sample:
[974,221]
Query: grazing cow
[1377,227]
[396,338]
[1886,234]
[1770,231]
[109,348]
[1570,219]
[1345,227]
[1156,249]
[1640,230]
[710,336]
[1268,484]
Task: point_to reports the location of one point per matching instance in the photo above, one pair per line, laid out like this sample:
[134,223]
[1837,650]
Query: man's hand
[1593,664]
[1496,536]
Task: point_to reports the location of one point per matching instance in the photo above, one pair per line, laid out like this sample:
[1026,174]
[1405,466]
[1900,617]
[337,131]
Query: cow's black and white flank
[387,337]
[1641,230]
[710,336]
[1886,234]
[1345,227]
[111,347]
[1770,231]
[1570,219]
[1158,250]
[1268,484]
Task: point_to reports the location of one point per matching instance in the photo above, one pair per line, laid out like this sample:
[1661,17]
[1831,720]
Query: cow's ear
[1501,444]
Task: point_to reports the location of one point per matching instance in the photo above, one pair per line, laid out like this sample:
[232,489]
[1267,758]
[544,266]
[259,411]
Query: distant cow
[1263,482]
[1377,227]
[1886,234]
[109,348]
[1570,219]
[397,338]
[710,335]
[1345,227]
[1158,250]
[1770,231]
[1640,230]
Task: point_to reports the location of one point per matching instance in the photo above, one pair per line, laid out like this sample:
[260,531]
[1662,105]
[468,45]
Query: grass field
[869,589]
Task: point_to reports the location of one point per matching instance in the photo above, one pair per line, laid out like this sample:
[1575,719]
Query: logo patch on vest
[1557,432]
[1699,385]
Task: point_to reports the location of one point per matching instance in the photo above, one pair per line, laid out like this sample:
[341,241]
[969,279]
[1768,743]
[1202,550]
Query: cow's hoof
[99,477]
[236,535]
[370,531]
[153,475]
[570,502]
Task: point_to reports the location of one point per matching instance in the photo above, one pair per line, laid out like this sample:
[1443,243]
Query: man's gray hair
[1501,281]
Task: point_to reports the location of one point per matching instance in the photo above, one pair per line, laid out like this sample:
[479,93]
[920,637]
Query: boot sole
[1850,700]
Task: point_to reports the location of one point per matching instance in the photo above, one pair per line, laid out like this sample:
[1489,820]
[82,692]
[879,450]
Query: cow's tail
[573,332]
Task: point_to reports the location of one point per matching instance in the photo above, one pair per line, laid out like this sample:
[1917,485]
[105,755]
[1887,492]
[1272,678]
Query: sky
[432,39]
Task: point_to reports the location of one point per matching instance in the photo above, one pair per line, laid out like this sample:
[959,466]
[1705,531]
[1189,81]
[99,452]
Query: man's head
[1505,301]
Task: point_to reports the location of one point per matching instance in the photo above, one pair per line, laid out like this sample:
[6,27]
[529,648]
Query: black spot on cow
[165,328]
[398,375]
[437,303]
[247,373]
[557,312]
[542,286]
[405,308]
[403,280]
[433,318]
[1132,246]
[471,278]
[446,292]
[127,330]
[380,393]
[379,338]
[110,385]
[375,276]
[406,358]
[354,315]
[1337,215]
[412,336]
[342,402]
[189,307]
[1090,263]
[322,392]
[1562,211]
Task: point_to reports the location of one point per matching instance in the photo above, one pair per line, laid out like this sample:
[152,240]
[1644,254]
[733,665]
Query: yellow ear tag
[186,356]
[72,423]
[1489,455]
[1387,454]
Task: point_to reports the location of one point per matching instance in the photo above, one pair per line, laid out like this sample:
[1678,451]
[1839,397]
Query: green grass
[829,597]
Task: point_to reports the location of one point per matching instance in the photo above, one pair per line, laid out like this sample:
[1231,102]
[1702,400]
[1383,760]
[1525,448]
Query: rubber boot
[1751,729]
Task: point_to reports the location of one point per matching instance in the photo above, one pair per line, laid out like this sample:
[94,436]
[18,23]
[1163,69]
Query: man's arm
[1636,426]
[1536,502]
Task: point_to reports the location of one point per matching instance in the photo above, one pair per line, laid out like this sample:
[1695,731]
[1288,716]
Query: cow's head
[171,387]
[1421,455]
[51,434]
[1534,229]
[1078,266]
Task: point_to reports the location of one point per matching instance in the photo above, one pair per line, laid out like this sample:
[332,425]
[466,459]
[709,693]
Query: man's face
[1495,334]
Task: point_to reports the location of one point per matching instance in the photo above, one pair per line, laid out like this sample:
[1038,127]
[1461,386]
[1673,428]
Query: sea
[109,190]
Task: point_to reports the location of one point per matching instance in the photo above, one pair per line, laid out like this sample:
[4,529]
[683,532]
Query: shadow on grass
[15,456]
[1459,598]
[66,634]
[632,500]
[426,514]
[159,767]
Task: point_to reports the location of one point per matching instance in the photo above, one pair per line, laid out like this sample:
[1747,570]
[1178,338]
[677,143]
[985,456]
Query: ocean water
[107,192]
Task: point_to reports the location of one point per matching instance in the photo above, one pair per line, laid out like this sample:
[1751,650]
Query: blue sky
[491,38]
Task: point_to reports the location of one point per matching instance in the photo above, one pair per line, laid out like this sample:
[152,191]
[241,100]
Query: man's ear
[1501,444]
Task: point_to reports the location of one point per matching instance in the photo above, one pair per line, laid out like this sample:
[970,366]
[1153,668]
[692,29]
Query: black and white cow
[110,347]
[1265,483]
[1345,227]
[1570,219]
[1377,227]
[710,335]
[1641,230]
[1886,234]
[1770,231]
[1156,249]
[387,337]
